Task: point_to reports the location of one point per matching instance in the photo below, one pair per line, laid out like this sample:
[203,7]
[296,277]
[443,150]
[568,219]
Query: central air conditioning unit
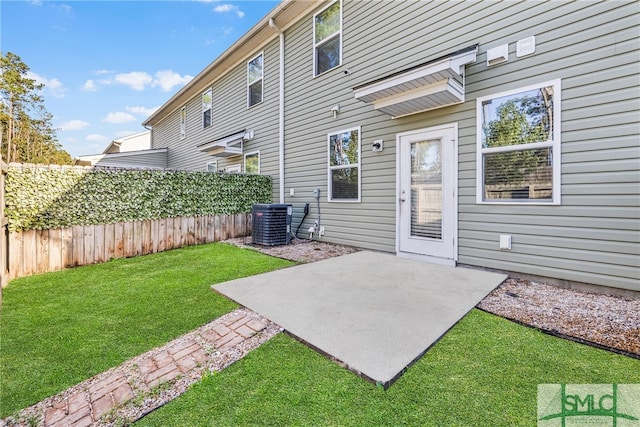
[271,224]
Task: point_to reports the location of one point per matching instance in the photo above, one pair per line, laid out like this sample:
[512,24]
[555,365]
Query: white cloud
[37,77]
[89,86]
[65,8]
[56,88]
[226,7]
[136,79]
[52,86]
[74,125]
[119,117]
[139,80]
[94,137]
[141,111]
[225,33]
[167,79]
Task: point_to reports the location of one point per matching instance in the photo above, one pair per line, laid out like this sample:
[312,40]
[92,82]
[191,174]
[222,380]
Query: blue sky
[107,65]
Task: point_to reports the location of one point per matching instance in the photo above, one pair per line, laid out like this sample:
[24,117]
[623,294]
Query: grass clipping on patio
[61,328]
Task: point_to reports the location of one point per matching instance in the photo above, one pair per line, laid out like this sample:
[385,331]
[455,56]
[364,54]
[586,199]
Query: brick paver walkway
[174,366]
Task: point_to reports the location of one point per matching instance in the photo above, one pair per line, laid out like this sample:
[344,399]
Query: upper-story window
[207,99]
[327,38]
[518,153]
[183,122]
[254,80]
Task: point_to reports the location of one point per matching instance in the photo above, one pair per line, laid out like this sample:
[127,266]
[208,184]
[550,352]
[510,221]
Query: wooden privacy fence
[40,251]
[4,259]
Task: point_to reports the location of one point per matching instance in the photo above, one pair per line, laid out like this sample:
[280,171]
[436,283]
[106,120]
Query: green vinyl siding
[592,47]
[592,236]
[229,115]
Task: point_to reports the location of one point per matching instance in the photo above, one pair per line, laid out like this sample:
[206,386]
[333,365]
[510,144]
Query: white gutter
[272,24]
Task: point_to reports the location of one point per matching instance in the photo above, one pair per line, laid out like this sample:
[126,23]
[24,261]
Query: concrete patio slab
[376,313]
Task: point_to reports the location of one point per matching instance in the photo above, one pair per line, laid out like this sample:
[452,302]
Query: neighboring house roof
[123,152]
[134,142]
[285,14]
[129,159]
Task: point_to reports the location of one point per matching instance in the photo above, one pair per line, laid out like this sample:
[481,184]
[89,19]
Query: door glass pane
[426,189]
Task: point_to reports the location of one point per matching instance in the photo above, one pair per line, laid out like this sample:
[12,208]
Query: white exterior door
[427,210]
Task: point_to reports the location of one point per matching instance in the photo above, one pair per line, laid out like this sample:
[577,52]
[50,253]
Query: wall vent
[271,224]
[498,55]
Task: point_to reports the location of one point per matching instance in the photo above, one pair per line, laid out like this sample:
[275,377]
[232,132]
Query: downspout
[272,24]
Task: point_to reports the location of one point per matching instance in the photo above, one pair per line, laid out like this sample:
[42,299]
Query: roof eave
[285,14]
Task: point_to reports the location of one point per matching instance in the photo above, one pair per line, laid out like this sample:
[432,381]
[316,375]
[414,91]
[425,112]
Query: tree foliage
[520,121]
[26,131]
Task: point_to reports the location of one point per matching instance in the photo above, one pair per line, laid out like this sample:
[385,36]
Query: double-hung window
[327,38]
[183,122]
[207,102]
[344,165]
[518,145]
[254,80]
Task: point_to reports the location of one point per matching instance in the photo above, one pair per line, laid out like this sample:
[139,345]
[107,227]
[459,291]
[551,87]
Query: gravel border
[604,321]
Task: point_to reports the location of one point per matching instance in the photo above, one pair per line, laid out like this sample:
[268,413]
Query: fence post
[4,233]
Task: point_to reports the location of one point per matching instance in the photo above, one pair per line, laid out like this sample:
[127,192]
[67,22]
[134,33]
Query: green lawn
[61,328]
[484,372]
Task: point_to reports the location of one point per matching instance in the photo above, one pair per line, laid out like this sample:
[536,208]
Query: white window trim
[358,165]
[249,83]
[203,110]
[234,168]
[555,145]
[214,162]
[252,153]
[315,45]
[183,122]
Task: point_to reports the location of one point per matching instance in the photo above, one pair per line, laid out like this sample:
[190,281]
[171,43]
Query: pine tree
[26,131]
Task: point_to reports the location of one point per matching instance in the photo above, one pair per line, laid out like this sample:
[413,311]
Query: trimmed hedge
[40,197]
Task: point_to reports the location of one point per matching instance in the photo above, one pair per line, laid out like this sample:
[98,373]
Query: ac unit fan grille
[271,224]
